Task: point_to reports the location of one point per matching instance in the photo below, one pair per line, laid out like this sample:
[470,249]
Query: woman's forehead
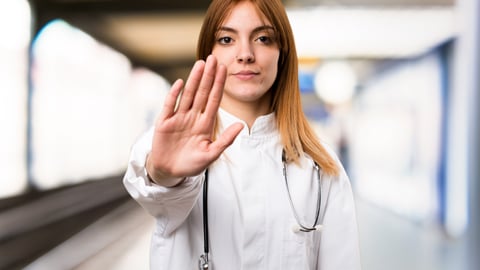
[244,13]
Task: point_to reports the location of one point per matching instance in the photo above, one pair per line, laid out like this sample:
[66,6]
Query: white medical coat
[250,217]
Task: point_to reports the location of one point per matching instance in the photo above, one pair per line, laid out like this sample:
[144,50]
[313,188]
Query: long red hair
[296,133]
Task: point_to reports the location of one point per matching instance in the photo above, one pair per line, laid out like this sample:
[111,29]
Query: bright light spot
[15,36]
[79,101]
[15,20]
[335,82]
[88,106]
[331,32]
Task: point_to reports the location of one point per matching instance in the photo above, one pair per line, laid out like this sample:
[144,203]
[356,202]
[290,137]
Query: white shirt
[249,214]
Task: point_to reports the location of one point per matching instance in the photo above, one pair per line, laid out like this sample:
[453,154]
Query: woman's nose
[245,54]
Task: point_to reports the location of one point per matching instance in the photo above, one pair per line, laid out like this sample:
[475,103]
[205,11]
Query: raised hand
[182,142]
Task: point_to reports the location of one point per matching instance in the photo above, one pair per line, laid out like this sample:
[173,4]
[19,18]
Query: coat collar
[264,125]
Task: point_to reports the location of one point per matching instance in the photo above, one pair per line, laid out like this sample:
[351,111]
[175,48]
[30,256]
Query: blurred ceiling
[161,34]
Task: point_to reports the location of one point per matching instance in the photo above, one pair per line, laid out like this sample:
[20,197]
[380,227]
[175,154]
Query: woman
[238,122]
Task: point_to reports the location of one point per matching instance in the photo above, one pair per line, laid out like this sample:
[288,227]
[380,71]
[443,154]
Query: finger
[206,83]
[171,99]
[216,93]
[191,86]
[225,139]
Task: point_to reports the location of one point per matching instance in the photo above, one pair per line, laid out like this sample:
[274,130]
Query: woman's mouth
[245,74]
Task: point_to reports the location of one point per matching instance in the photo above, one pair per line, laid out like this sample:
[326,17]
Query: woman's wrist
[160,178]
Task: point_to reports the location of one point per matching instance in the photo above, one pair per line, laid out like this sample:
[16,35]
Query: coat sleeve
[339,248]
[170,206]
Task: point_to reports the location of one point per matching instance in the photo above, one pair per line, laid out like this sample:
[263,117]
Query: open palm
[182,141]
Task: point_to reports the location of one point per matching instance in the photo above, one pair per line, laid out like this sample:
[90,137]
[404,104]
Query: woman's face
[246,44]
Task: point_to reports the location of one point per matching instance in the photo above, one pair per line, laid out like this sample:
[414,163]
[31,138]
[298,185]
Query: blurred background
[392,85]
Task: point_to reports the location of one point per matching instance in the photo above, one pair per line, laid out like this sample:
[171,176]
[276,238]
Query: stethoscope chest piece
[203,263]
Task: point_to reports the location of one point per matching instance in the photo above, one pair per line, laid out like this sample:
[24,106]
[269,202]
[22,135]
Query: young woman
[230,170]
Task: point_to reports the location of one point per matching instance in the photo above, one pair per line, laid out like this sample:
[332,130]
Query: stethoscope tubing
[204,262]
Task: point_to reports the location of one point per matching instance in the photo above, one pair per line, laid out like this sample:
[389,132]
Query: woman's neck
[246,111]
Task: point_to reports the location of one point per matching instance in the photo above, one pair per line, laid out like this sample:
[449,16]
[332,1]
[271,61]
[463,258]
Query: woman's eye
[225,40]
[264,39]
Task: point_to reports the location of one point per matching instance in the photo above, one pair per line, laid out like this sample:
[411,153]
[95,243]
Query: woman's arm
[170,206]
[165,169]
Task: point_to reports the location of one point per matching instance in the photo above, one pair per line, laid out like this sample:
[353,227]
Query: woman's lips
[245,75]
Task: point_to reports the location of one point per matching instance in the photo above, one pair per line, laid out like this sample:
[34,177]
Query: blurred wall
[471,22]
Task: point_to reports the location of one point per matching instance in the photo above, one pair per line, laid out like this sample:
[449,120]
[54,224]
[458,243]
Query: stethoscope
[204,262]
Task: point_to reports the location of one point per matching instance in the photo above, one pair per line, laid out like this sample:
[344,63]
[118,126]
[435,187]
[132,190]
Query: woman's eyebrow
[263,28]
[255,30]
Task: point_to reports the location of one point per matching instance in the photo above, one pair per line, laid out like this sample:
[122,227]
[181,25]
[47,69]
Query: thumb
[225,139]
